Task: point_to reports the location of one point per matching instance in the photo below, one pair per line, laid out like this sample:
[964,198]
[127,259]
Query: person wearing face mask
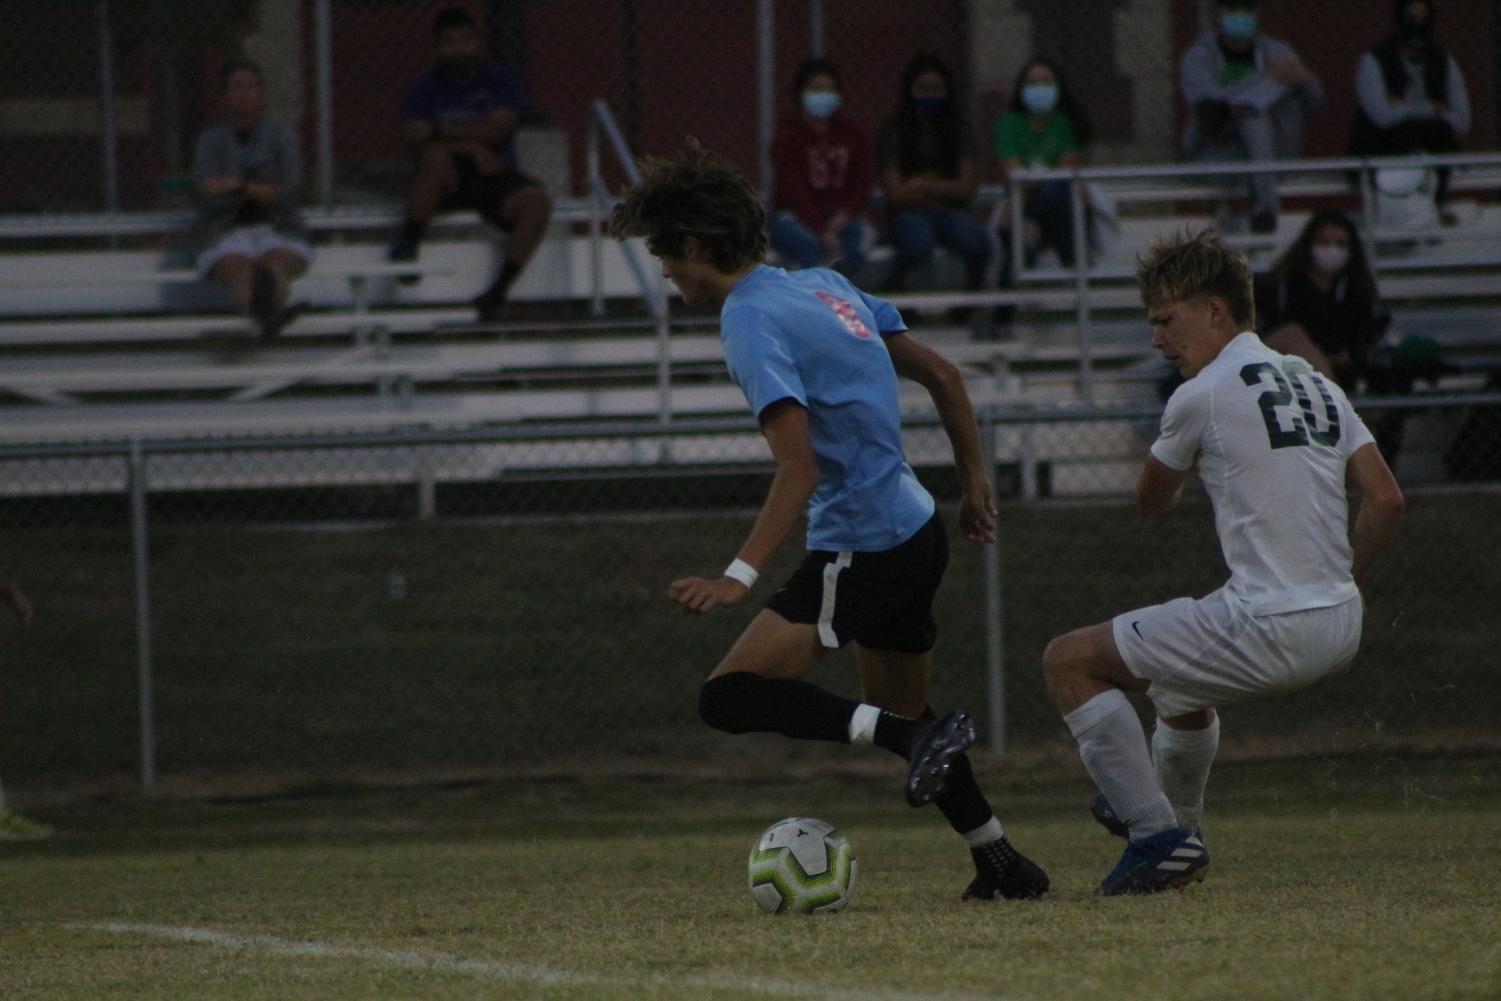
[1412,94]
[822,164]
[928,154]
[1248,95]
[1044,127]
[247,171]
[460,119]
[1319,300]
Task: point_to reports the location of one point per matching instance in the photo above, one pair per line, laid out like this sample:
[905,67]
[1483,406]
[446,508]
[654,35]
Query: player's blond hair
[1193,265]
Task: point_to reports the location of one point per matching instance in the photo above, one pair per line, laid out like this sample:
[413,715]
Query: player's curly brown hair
[1195,264]
[700,194]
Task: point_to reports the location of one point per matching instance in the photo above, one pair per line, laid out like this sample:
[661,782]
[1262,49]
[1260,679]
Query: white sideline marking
[518,972]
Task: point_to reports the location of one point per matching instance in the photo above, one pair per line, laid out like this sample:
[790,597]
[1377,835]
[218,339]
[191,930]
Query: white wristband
[743,572]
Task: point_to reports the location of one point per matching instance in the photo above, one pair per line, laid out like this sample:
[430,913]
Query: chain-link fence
[101,101]
[461,602]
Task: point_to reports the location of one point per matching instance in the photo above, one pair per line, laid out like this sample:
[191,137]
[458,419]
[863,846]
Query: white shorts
[1209,651]
[251,242]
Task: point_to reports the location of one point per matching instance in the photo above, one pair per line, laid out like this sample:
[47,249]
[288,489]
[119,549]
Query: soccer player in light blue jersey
[818,361]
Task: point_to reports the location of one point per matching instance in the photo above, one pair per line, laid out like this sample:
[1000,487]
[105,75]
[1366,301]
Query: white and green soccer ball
[802,866]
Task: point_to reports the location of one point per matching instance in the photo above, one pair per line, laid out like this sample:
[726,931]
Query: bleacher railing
[1084,272]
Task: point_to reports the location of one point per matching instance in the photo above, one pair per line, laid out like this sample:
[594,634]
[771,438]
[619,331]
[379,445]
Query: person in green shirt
[1045,127]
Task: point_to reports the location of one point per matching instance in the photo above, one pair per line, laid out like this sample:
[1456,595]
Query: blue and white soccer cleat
[933,754]
[1168,860]
[1100,809]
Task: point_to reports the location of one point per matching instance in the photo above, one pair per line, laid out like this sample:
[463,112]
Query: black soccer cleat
[1016,878]
[1101,810]
[933,754]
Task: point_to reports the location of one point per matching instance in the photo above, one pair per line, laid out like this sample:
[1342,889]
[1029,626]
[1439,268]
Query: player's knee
[723,701]
[1057,665]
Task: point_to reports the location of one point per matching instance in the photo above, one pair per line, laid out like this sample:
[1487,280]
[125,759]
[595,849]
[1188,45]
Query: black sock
[741,702]
[509,271]
[897,734]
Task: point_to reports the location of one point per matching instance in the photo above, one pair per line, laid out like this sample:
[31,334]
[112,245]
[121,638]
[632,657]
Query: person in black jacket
[1319,300]
[1412,95]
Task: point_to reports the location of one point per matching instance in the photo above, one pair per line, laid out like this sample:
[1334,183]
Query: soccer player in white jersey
[1275,445]
[818,361]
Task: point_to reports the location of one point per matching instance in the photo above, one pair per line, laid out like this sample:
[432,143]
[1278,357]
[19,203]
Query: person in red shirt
[824,177]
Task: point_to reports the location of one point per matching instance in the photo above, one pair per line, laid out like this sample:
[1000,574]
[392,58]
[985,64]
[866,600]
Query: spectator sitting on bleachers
[1043,128]
[1248,95]
[1319,300]
[1412,93]
[822,164]
[459,120]
[927,153]
[248,234]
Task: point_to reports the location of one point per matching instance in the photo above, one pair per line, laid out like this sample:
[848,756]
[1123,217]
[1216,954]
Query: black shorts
[485,193]
[883,601]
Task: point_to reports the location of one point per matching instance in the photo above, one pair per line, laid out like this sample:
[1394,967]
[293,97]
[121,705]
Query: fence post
[109,129]
[140,558]
[593,184]
[1081,285]
[995,651]
[766,103]
[664,352]
[324,54]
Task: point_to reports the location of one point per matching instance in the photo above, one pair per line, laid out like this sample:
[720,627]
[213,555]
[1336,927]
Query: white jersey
[1272,439]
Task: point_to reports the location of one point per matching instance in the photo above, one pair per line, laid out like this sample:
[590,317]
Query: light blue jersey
[813,337]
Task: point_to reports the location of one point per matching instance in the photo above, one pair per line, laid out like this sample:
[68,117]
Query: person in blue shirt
[459,120]
[818,361]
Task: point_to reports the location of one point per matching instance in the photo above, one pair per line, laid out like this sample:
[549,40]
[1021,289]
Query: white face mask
[1330,258]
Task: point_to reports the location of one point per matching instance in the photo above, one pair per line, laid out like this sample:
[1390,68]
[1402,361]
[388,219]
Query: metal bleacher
[100,344]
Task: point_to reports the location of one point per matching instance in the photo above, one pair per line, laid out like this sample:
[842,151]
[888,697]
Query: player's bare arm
[945,384]
[785,425]
[1380,510]
[1159,488]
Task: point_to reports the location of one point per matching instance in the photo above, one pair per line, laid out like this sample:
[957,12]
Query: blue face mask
[1040,98]
[929,105]
[1238,25]
[820,103]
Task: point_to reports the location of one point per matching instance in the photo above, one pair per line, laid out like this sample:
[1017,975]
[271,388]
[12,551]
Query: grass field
[1341,878]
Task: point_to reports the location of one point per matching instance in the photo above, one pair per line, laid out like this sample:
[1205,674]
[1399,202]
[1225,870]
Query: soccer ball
[802,866]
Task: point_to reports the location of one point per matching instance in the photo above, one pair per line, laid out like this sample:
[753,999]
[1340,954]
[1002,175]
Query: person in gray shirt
[247,172]
[1248,96]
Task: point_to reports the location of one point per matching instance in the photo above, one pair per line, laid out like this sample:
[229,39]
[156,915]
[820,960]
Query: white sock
[863,724]
[1113,747]
[987,833]
[1183,758]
